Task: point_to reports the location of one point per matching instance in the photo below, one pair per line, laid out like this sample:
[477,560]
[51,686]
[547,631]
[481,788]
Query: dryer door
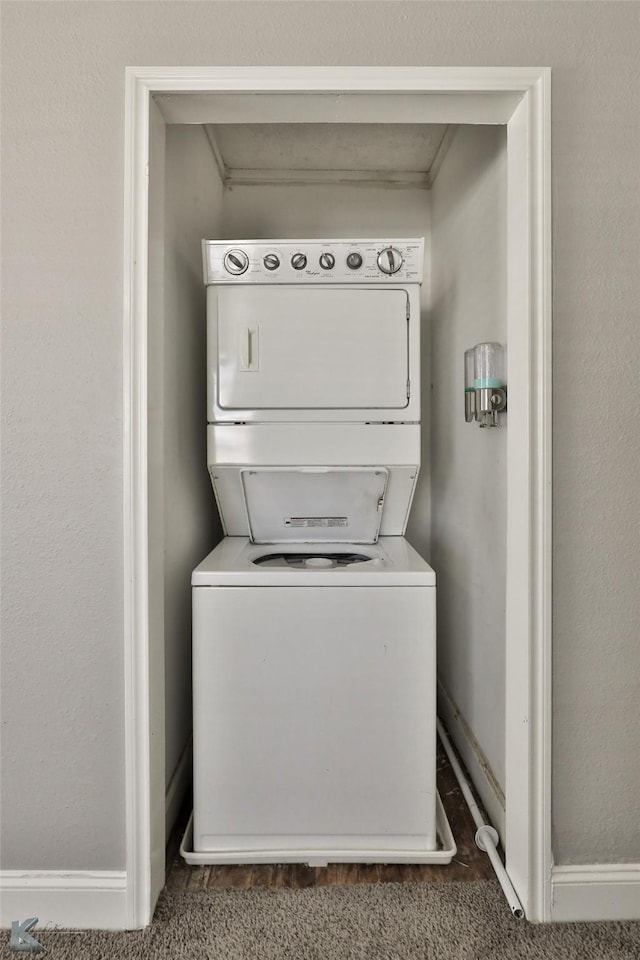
[297,348]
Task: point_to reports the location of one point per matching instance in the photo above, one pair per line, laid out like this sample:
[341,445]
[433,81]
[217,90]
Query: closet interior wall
[192,210]
[468,464]
[458,518]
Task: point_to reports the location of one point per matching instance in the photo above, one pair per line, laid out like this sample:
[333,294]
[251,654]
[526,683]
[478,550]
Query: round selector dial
[271,261]
[354,260]
[327,261]
[298,261]
[236,262]
[390,260]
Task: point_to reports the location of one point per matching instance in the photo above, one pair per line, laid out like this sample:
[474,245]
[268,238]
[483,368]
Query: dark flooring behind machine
[469,862]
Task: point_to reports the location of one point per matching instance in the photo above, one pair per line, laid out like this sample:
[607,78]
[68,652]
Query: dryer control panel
[313,261]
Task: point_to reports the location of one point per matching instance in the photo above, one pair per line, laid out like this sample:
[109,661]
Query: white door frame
[519,97]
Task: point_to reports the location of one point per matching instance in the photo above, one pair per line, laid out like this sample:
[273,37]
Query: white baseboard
[78,899]
[178,787]
[476,763]
[596,891]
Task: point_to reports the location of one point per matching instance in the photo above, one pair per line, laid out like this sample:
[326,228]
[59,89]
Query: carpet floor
[452,921]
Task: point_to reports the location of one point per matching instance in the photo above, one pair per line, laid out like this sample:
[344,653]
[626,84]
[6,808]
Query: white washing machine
[314,673]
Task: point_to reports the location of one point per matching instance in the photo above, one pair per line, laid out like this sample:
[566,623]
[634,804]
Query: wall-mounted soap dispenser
[489,386]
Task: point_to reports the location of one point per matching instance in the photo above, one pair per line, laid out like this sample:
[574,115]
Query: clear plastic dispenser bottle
[489,383]
[469,385]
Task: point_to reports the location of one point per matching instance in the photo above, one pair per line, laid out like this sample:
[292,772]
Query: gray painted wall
[468,465]
[63,105]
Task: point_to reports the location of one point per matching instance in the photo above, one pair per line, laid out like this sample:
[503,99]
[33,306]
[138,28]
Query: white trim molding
[516,96]
[529,478]
[596,891]
[76,899]
[140,899]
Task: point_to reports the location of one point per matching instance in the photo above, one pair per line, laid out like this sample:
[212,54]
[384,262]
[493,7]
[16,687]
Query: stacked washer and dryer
[314,647]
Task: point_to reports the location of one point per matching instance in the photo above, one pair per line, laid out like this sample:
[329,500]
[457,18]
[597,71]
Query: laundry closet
[305,181]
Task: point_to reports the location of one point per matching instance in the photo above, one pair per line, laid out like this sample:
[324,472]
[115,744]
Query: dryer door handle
[249,349]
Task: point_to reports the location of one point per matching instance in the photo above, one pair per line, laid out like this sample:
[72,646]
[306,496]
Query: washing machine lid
[314,504]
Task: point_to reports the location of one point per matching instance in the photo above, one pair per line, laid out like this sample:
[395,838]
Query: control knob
[354,260]
[236,262]
[298,261]
[327,261]
[271,261]
[389,260]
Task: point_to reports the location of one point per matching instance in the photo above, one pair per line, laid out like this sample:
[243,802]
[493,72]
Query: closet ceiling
[275,152]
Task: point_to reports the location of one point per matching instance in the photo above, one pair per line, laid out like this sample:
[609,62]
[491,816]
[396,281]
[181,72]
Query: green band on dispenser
[487,382]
